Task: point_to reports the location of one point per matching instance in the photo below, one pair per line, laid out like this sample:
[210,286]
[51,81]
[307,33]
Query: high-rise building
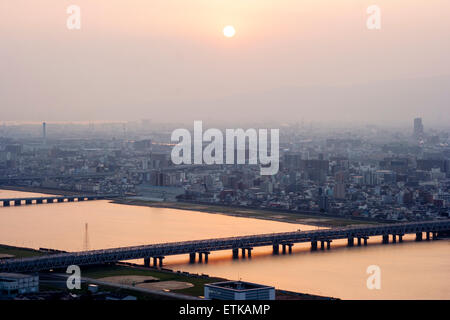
[316,170]
[418,128]
[339,187]
[323,203]
[44,133]
[339,191]
[292,160]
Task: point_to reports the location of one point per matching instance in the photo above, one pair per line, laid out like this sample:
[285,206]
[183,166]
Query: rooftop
[8,276]
[238,285]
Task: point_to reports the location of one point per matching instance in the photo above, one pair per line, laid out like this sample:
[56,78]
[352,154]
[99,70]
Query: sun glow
[229,31]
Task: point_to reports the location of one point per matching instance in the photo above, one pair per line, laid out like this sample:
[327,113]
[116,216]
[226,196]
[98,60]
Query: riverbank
[272,215]
[306,219]
[12,252]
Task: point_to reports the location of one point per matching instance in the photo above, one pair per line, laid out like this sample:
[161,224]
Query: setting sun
[229,31]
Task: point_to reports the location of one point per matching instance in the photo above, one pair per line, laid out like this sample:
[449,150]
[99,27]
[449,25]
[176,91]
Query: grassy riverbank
[198,282]
[17,252]
[299,218]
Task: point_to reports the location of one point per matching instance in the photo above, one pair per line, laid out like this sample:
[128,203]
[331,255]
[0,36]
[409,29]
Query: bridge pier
[365,240]
[444,233]
[157,261]
[276,248]
[329,244]
[322,244]
[29,201]
[60,200]
[6,203]
[400,238]
[249,252]
[418,236]
[359,241]
[287,247]
[17,202]
[313,245]
[350,241]
[385,238]
[435,235]
[70,199]
[192,257]
[200,257]
[290,247]
[147,262]
[394,238]
[39,201]
[206,254]
[235,253]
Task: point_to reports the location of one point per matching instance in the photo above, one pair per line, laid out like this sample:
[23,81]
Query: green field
[19,252]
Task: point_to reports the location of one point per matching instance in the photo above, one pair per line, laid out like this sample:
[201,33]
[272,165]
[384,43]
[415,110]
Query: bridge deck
[174,248]
[58,197]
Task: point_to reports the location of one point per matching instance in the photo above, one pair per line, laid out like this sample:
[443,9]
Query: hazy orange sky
[168,60]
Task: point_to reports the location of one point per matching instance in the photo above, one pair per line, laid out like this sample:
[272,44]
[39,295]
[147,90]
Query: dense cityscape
[375,173]
[224,159]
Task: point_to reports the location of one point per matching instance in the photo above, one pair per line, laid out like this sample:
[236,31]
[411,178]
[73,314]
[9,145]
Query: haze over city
[288,61]
[192,153]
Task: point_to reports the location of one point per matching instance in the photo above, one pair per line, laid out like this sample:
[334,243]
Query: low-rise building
[238,290]
[12,284]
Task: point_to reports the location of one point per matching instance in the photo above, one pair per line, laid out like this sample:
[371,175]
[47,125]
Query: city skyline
[226,155]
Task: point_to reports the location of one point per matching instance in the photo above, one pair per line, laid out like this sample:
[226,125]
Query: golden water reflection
[409,270]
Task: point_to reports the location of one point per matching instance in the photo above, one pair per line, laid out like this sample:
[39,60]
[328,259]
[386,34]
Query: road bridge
[52,199]
[244,243]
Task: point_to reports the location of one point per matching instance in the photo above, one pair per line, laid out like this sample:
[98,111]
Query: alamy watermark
[213,153]
[374,18]
[374,280]
[74,20]
[74,280]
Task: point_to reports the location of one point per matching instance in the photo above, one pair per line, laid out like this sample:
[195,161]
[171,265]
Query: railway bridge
[51,199]
[202,248]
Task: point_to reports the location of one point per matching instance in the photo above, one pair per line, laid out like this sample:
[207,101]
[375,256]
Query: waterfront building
[238,290]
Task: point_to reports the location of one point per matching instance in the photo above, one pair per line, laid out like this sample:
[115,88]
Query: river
[409,270]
